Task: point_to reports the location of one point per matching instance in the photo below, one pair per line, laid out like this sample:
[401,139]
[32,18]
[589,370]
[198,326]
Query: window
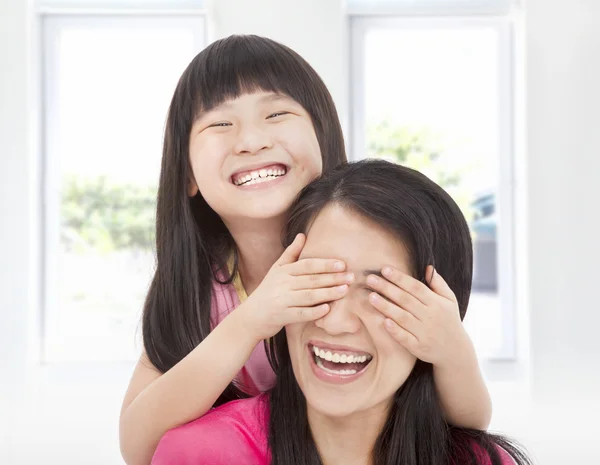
[434,93]
[107,84]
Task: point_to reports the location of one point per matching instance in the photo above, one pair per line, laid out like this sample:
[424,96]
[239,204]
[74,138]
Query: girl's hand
[425,321]
[295,291]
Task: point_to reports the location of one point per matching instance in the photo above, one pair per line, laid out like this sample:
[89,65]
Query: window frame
[361,21]
[434,8]
[49,21]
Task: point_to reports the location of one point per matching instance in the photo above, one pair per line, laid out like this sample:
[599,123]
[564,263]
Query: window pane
[431,102]
[108,84]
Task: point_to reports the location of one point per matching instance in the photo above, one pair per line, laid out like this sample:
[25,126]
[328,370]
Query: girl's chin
[261,213]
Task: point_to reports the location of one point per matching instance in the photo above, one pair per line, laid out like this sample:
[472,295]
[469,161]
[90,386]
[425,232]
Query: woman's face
[359,366]
[250,156]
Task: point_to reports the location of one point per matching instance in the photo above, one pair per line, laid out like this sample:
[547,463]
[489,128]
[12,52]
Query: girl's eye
[219,125]
[279,113]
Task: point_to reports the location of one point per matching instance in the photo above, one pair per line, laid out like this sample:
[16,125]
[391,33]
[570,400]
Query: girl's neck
[347,440]
[259,246]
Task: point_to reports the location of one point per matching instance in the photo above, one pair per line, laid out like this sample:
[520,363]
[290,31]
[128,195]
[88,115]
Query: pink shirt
[232,434]
[256,376]
[235,433]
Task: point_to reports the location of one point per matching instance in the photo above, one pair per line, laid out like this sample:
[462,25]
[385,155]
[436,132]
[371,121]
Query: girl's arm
[462,390]
[155,402]
[292,291]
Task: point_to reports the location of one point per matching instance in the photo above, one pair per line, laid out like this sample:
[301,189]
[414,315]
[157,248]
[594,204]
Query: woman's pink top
[232,434]
[235,433]
[256,376]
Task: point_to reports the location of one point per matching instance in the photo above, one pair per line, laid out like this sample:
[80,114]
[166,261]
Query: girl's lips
[329,377]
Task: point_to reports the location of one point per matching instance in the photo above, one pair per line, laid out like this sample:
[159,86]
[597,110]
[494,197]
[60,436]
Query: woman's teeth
[332,362]
[255,177]
[337,358]
[335,372]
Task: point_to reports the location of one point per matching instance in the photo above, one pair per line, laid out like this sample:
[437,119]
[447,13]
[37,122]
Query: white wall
[562,246]
[15,214]
[563,122]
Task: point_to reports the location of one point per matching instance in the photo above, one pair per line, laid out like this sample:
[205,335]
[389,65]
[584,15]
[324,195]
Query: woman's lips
[337,373]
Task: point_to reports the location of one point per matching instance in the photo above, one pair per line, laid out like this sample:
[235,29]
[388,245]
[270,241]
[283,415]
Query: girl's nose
[252,140]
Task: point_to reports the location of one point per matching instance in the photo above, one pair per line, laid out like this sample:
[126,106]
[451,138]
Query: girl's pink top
[235,433]
[256,376]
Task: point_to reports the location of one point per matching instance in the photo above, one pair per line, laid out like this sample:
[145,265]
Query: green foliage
[107,216]
[422,150]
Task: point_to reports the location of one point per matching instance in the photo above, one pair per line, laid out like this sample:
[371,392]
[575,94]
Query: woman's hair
[434,231]
[192,242]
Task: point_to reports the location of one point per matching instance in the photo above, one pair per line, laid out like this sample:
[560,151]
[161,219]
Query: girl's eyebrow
[275,97]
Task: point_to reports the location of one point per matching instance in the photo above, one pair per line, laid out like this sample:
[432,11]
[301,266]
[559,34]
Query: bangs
[245,64]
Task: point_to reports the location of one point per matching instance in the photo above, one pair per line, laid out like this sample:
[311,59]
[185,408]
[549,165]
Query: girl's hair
[192,242]
[433,229]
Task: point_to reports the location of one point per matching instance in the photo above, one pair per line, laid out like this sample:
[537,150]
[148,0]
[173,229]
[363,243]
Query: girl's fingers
[401,317]
[313,297]
[396,295]
[308,266]
[315,281]
[409,284]
[438,285]
[401,335]
[292,252]
[303,314]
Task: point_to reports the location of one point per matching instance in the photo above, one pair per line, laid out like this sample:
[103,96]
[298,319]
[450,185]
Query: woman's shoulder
[236,432]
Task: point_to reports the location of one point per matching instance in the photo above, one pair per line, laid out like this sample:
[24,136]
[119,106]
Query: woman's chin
[335,403]
[331,408]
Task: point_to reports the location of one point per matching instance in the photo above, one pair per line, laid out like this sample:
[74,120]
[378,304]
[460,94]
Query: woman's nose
[341,319]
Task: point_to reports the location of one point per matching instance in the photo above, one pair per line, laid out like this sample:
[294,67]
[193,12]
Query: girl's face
[252,155]
[353,330]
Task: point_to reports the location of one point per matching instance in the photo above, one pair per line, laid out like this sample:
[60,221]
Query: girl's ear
[192,187]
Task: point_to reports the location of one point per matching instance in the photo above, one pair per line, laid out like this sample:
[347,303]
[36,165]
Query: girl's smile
[262,173]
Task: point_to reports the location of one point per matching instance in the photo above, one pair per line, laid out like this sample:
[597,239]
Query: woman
[347,392]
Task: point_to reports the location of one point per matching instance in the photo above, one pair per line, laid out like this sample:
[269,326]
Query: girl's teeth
[262,175]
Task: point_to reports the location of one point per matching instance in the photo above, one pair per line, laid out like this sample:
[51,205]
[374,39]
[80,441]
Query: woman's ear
[192,187]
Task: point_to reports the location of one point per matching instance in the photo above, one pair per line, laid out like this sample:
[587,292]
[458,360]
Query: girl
[249,126]
[346,392]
